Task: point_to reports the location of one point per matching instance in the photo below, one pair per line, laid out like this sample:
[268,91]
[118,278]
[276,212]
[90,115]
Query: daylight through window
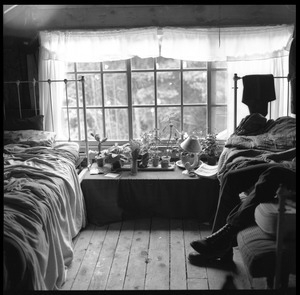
[129,97]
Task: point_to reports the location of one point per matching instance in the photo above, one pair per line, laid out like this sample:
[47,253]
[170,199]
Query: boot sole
[224,255]
[213,254]
[201,260]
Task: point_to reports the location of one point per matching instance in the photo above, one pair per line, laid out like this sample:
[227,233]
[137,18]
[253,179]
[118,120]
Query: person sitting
[233,214]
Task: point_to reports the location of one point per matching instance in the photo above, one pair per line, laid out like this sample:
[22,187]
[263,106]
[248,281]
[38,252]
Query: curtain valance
[100,45]
[197,44]
[226,44]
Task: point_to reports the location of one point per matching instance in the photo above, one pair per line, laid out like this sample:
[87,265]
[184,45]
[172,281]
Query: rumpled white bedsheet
[43,210]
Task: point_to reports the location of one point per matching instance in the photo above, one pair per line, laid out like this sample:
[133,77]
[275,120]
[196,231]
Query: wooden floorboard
[157,273]
[177,256]
[147,254]
[138,258]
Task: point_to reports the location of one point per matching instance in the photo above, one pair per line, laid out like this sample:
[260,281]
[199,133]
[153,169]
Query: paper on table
[112,175]
[94,171]
[205,170]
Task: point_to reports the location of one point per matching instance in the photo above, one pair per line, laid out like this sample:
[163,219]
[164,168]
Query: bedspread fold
[43,209]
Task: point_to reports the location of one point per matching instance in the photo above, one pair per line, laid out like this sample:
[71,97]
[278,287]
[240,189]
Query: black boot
[198,259]
[218,244]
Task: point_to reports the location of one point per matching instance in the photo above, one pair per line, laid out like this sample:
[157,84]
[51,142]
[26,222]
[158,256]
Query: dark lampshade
[191,144]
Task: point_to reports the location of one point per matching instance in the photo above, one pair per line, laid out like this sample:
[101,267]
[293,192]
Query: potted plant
[135,147]
[170,153]
[116,155]
[100,158]
[210,149]
[149,148]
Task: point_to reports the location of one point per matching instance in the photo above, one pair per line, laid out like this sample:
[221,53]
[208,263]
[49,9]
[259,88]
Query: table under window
[168,194]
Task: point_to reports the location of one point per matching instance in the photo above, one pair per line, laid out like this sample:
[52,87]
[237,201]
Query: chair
[268,247]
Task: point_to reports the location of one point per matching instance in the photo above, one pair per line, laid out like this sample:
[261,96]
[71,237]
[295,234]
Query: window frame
[209,69]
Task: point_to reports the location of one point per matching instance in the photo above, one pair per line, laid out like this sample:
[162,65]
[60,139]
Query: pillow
[33,123]
[30,137]
[266,218]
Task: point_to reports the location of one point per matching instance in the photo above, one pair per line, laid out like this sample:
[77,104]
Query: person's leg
[264,191]
[232,184]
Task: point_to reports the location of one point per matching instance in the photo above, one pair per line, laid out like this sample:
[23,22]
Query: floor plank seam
[98,257]
[114,253]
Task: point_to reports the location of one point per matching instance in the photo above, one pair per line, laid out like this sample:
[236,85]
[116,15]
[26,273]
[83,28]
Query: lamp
[191,145]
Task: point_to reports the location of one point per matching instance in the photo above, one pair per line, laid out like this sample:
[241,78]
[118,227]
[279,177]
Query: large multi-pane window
[127,98]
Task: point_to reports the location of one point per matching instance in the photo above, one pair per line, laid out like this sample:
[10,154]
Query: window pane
[187,64]
[194,87]
[168,88]
[94,118]
[143,121]
[70,66]
[167,63]
[116,124]
[114,65]
[71,89]
[219,119]
[138,63]
[115,89]
[142,88]
[219,87]
[194,120]
[73,119]
[163,116]
[92,87]
[88,66]
[82,133]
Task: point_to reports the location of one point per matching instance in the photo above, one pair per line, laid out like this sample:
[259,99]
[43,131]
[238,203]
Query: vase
[134,167]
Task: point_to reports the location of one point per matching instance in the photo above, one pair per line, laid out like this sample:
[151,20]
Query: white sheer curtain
[225,44]
[248,50]
[59,47]
[54,70]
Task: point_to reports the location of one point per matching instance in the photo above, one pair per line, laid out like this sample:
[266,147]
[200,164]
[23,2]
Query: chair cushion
[258,251]
[266,218]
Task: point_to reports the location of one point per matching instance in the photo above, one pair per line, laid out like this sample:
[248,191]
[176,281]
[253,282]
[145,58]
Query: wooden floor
[146,254]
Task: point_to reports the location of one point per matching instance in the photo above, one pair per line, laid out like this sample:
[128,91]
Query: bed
[44,207]
[254,139]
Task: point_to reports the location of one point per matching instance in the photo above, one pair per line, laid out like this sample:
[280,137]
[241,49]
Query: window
[128,97]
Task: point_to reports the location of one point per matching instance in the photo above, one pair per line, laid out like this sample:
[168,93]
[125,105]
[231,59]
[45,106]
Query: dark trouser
[265,177]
